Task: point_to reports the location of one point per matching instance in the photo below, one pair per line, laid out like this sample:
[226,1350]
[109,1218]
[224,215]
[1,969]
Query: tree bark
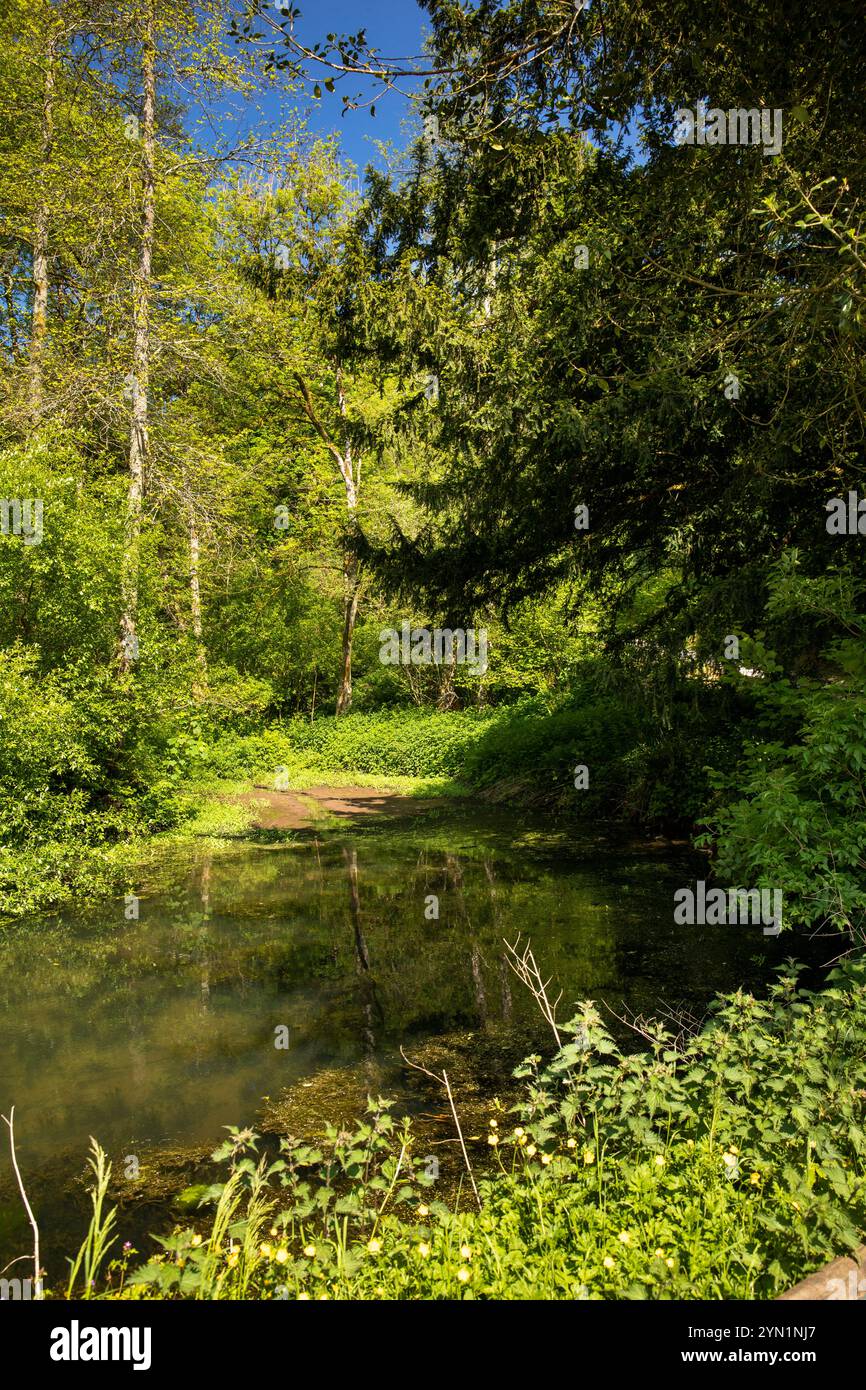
[350,472]
[351,578]
[200,686]
[39,327]
[351,601]
[139,442]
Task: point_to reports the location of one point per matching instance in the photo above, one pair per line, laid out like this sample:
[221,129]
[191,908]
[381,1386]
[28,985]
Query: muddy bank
[294,810]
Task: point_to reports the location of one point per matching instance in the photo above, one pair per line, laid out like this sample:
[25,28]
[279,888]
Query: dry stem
[526,969]
[11,1126]
[443,1081]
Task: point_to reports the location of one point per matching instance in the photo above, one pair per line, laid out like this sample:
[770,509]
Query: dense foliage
[547,373]
[721,1165]
[267,416]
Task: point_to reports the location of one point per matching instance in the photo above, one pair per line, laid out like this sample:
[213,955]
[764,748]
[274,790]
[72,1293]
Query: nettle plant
[756,1122]
[295,1219]
[723,1161]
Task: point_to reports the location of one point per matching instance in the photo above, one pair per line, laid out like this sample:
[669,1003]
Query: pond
[274,985]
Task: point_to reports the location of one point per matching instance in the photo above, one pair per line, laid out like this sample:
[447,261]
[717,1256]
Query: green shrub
[728,1166]
[791,813]
[399,743]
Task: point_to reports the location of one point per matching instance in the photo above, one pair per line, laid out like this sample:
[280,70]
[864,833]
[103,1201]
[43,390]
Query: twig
[526,969]
[391,1188]
[687,1024]
[443,1081]
[11,1126]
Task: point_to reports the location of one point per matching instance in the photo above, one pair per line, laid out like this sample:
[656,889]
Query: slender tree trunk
[138,436]
[352,597]
[351,577]
[195,605]
[447,697]
[350,472]
[40,245]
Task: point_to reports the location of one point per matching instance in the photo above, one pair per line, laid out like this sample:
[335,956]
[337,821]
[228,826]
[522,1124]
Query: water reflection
[162,1030]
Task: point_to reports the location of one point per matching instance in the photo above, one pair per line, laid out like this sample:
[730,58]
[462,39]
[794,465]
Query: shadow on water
[153,1032]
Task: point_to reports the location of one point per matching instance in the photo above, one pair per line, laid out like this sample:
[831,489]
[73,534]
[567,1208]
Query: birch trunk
[195,606]
[351,578]
[138,436]
[39,327]
[350,472]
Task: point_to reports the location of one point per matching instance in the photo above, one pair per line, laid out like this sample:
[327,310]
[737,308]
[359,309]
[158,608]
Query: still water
[153,1033]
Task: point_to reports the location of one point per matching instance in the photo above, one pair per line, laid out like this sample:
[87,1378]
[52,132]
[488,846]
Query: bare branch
[11,1126]
[443,1081]
[526,969]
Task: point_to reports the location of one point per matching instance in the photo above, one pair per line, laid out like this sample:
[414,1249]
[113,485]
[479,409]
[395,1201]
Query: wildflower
[494,1124]
[625,1237]
[423,1211]
[690,1143]
[281,1256]
[571,1143]
[322,1296]
[659,1160]
[463,1274]
[303,1298]
[232,1258]
[493,1139]
[522,1141]
[374,1246]
[754,1177]
[729,1160]
[423,1249]
[531,1151]
[608,1262]
[669,1262]
[266,1251]
[127,1244]
[274,1231]
[545,1158]
[732,1148]
[519,1132]
[659,1254]
[466,1252]
[588,1156]
[196,1240]
[310,1251]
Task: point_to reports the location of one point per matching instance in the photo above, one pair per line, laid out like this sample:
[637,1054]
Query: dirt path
[296,810]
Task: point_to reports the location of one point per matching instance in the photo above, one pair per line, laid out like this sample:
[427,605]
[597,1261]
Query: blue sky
[396,29]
